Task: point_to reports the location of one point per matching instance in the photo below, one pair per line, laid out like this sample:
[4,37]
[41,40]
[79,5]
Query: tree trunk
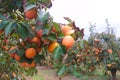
[113,73]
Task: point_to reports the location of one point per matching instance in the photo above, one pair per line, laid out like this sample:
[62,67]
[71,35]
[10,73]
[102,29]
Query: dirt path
[45,73]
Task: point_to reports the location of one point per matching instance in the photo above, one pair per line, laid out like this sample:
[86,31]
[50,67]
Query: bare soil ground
[46,73]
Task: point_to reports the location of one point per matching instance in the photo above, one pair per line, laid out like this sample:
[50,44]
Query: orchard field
[35,47]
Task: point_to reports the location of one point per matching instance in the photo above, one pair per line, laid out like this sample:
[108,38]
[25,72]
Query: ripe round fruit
[33,64]
[5,48]
[13,48]
[22,64]
[68,42]
[97,40]
[27,64]
[33,28]
[97,51]
[30,53]
[65,29]
[17,57]
[36,40]
[69,32]
[109,65]
[11,53]
[39,33]
[1,31]
[31,13]
[46,41]
[52,46]
[110,51]
[92,68]
[14,74]
[54,29]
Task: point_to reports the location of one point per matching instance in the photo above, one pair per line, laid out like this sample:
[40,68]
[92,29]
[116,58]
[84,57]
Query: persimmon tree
[20,26]
[28,36]
[106,46]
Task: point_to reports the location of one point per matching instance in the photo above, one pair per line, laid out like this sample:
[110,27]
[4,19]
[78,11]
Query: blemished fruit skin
[68,42]
[31,13]
[30,53]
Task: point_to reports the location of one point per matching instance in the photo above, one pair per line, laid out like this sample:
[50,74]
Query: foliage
[27,25]
[107,45]
[16,30]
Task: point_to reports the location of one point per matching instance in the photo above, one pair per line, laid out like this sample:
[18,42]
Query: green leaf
[57,64]
[27,26]
[81,43]
[43,16]
[20,52]
[39,57]
[10,27]
[58,52]
[61,71]
[73,69]
[45,31]
[23,31]
[52,37]
[64,49]
[76,74]
[2,17]
[18,3]
[15,35]
[60,35]
[15,78]
[29,6]
[68,19]
[3,24]
[57,27]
